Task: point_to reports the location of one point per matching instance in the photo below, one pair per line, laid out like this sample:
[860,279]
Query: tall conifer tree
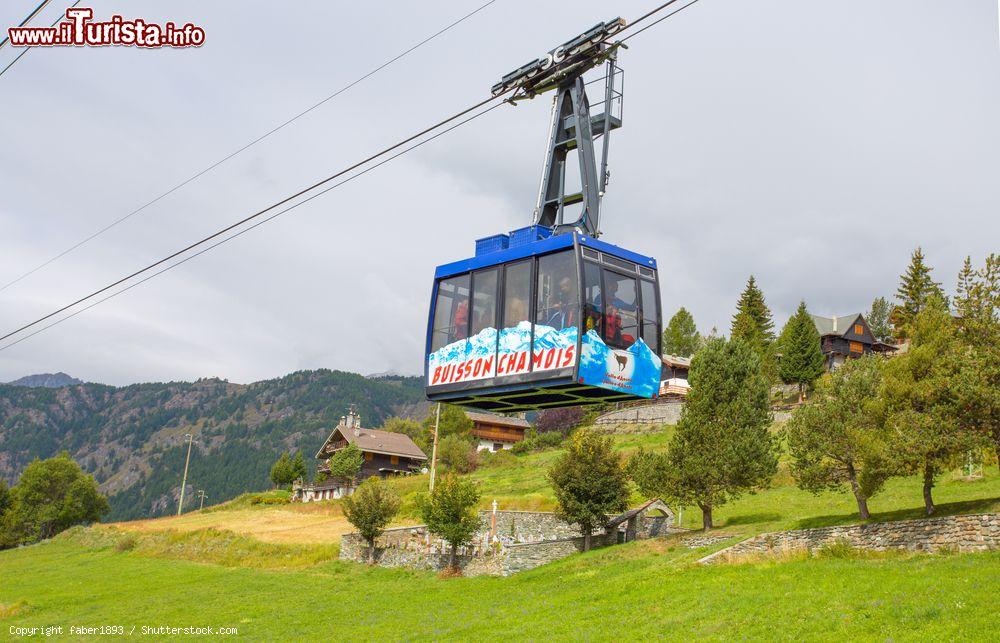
[916,287]
[680,337]
[801,358]
[753,324]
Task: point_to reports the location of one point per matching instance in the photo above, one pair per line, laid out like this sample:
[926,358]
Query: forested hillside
[132,438]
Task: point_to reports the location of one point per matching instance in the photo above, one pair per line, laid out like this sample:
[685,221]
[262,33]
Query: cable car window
[618,263]
[513,354]
[557,311]
[516,293]
[484,300]
[592,312]
[621,314]
[591,254]
[451,312]
[646,272]
[650,318]
[557,295]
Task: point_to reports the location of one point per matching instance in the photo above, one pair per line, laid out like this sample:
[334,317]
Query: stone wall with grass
[652,413]
[521,540]
[980,532]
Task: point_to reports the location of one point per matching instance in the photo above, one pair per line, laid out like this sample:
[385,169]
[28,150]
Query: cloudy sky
[812,144]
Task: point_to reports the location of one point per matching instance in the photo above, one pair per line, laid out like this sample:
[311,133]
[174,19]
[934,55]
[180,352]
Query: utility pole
[180,504]
[434,450]
[201,494]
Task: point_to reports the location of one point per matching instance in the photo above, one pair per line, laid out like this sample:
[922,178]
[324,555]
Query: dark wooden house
[385,453]
[495,432]
[846,337]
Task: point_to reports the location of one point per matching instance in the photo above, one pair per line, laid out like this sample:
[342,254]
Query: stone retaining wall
[524,540]
[653,413]
[979,532]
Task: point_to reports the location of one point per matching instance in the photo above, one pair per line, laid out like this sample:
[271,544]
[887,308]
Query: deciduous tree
[589,482]
[408,427]
[345,463]
[370,509]
[51,495]
[450,512]
[840,438]
[801,358]
[680,337]
[722,447]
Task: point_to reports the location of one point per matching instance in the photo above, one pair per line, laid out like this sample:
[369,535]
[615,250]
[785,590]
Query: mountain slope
[47,380]
[132,438]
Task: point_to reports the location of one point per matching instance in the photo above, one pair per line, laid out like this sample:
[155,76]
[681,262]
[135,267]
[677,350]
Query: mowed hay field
[271,571]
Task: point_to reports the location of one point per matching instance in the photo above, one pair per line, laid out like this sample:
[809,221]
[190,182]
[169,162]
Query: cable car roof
[536,248]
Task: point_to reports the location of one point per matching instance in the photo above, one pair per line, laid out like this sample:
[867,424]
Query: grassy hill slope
[270,570]
[645,589]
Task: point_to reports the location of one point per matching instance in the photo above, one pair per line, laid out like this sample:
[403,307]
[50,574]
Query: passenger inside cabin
[460,321]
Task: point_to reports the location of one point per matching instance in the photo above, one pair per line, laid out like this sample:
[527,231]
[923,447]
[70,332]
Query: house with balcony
[495,432]
[846,337]
[384,454]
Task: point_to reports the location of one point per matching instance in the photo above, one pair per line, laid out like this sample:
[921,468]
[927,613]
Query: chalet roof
[676,360]
[376,441]
[834,325]
[497,419]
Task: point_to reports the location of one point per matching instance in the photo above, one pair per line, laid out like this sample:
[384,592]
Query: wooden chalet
[385,453]
[846,337]
[495,432]
[674,376]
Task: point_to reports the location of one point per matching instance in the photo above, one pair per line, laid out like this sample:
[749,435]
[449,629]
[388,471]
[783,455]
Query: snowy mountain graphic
[635,371]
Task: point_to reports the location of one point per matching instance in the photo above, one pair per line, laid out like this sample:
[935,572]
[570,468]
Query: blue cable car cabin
[548,322]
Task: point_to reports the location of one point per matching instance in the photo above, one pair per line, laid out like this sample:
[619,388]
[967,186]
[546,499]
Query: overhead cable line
[259,213]
[26,20]
[302,192]
[28,48]
[658,20]
[245,147]
[249,228]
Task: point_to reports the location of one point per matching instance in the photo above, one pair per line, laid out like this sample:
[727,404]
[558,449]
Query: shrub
[126,543]
[458,454]
[370,509]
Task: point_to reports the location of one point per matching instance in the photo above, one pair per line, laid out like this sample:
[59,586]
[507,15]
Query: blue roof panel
[555,242]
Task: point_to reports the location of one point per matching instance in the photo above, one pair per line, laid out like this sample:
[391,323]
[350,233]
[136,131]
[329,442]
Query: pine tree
[298,466]
[680,337]
[722,447]
[921,390]
[840,439]
[977,303]
[878,319]
[752,321]
[281,471]
[801,358]
[915,289]
[753,324]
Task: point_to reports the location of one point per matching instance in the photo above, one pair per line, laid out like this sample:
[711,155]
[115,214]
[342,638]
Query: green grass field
[640,590]
[195,571]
